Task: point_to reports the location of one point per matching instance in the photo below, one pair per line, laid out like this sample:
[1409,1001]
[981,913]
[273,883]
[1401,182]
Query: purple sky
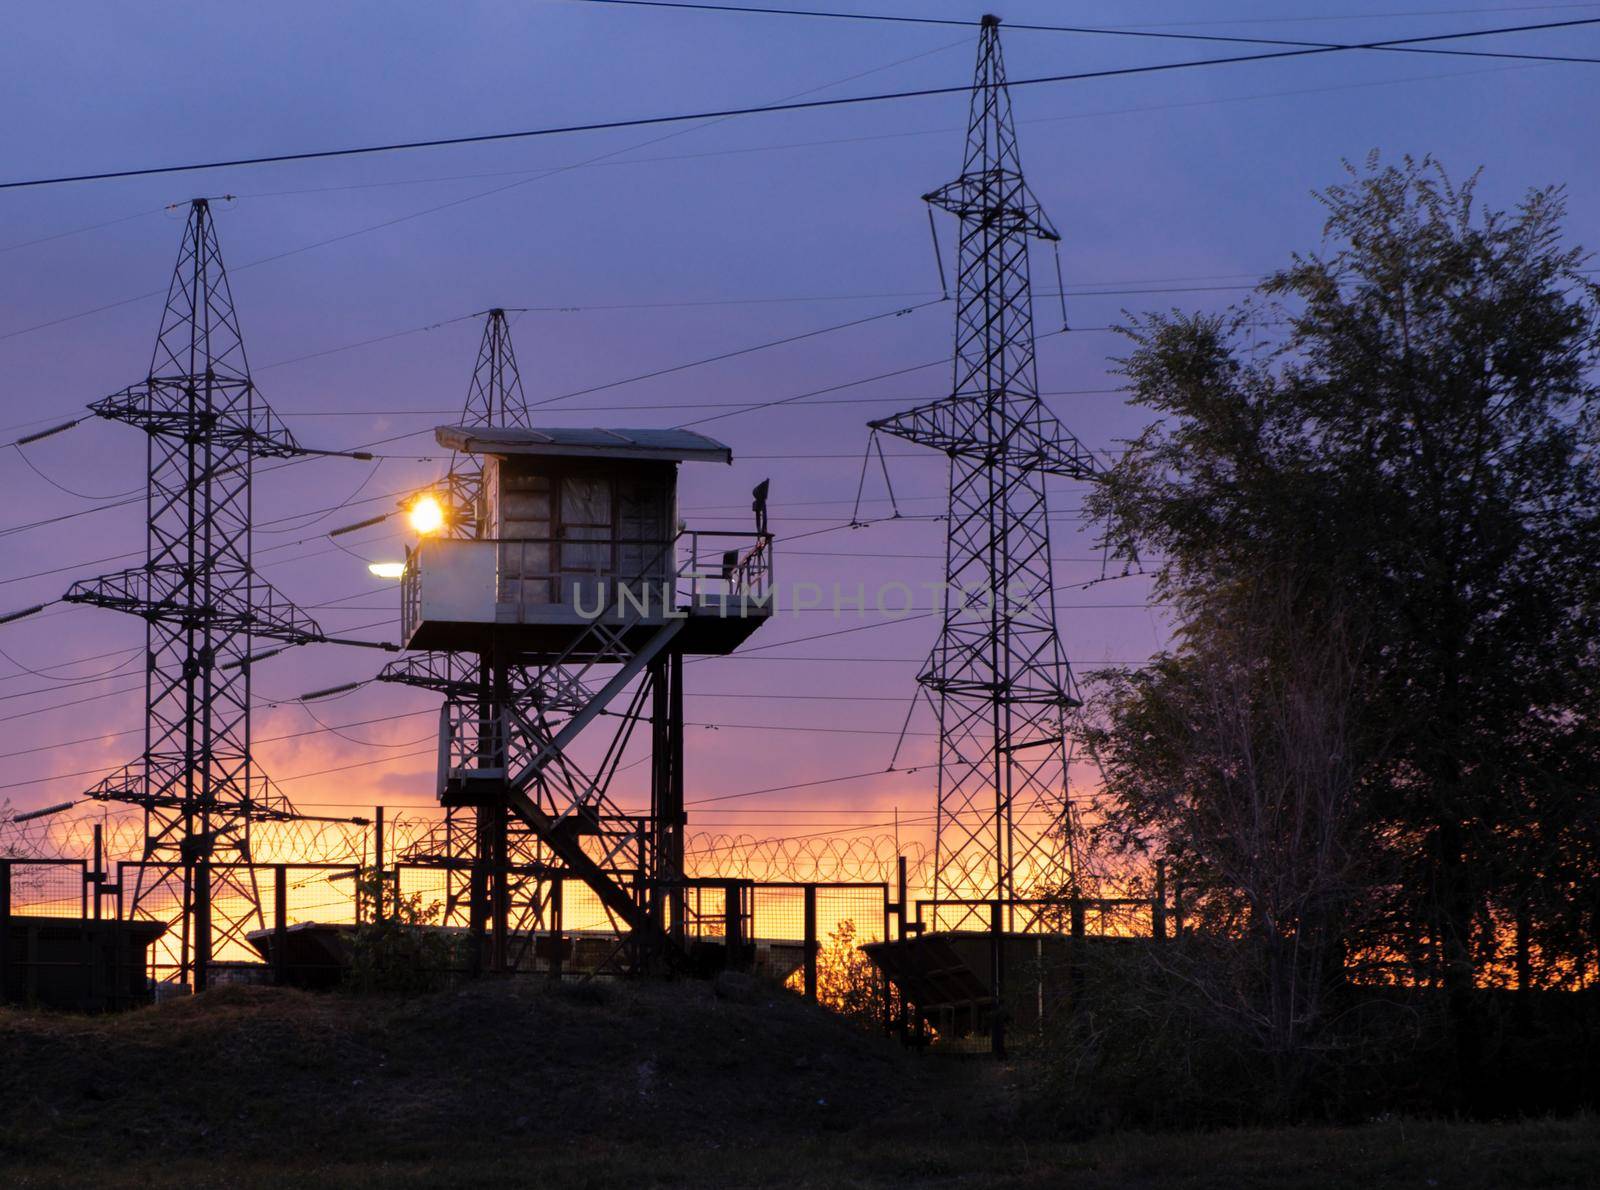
[674,243]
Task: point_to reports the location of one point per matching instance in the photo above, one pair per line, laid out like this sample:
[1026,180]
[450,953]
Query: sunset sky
[636,250]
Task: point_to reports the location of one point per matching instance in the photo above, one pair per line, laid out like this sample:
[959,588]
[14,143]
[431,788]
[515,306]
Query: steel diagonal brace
[630,669]
[571,853]
[566,846]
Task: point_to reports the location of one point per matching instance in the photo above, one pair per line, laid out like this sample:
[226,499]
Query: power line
[588,307]
[461,201]
[726,355]
[134,499]
[1394,45]
[44,670]
[434,179]
[1360,16]
[1409,44]
[61,235]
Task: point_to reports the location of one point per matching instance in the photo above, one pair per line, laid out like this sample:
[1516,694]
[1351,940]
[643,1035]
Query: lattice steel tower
[477,843]
[997,678]
[203,603]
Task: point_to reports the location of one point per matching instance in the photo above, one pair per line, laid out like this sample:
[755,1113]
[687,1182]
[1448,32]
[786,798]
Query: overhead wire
[785,146]
[474,197]
[1419,44]
[61,235]
[789,145]
[1404,45]
[61,487]
[727,355]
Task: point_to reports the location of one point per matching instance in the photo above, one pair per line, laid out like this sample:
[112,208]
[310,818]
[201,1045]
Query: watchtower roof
[594,443]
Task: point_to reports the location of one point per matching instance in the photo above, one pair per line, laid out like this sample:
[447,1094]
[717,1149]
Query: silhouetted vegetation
[1372,752]
[848,982]
[392,949]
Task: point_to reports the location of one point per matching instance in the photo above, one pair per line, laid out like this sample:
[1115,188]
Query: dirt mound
[246,1071]
[505,1086]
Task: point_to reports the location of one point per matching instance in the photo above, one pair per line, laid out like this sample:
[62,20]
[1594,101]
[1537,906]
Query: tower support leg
[666,793]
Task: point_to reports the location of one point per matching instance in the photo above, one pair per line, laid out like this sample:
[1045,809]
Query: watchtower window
[526,530]
[585,532]
[643,535]
[568,533]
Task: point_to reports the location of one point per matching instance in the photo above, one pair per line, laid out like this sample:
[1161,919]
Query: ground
[660,1085]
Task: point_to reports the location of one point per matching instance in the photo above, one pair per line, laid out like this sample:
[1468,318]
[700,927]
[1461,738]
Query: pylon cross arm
[167,409]
[957,426]
[261,613]
[1005,202]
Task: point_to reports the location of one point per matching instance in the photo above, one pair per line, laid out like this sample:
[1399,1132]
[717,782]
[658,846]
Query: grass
[660,1085]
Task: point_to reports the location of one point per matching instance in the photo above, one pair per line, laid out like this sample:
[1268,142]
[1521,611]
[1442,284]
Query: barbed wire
[846,859]
[417,835]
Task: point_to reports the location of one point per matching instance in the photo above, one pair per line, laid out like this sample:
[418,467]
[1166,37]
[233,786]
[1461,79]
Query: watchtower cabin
[577,528]
[574,582]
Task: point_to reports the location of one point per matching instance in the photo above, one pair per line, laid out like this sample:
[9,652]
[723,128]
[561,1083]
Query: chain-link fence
[55,947]
[977,975]
[48,887]
[305,923]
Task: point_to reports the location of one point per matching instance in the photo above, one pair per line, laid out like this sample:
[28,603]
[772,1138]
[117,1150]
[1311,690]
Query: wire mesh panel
[780,912]
[239,893]
[432,895]
[48,888]
[854,913]
[1120,919]
[582,911]
[162,902]
[808,936]
[326,895]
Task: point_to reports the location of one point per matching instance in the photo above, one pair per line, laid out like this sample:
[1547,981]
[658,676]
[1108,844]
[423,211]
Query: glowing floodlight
[426,514]
[386,569]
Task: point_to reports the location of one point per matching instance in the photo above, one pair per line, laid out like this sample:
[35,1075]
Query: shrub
[394,948]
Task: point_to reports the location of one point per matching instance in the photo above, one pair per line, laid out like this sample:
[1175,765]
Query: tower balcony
[535,597]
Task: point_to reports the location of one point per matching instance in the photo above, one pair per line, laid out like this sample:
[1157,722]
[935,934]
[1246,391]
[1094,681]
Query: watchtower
[579,582]
[578,528]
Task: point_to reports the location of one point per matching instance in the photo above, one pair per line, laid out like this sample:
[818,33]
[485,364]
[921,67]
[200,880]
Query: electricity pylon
[997,678]
[478,845]
[203,603]
[522,814]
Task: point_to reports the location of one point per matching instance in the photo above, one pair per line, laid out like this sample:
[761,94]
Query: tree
[848,982]
[1412,460]
[1241,757]
[396,946]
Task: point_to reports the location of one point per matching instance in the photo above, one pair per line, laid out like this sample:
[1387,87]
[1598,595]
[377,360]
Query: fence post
[87,940]
[556,940]
[997,1023]
[5,928]
[202,924]
[732,924]
[1158,904]
[98,876]
[811,941]
[900,904]
[885,987]
[902,890]
[477,900]
[377,862]
[280,924]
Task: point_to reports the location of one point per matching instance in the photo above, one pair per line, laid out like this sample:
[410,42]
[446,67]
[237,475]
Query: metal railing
[729,571]
[725,566]
[472,747]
